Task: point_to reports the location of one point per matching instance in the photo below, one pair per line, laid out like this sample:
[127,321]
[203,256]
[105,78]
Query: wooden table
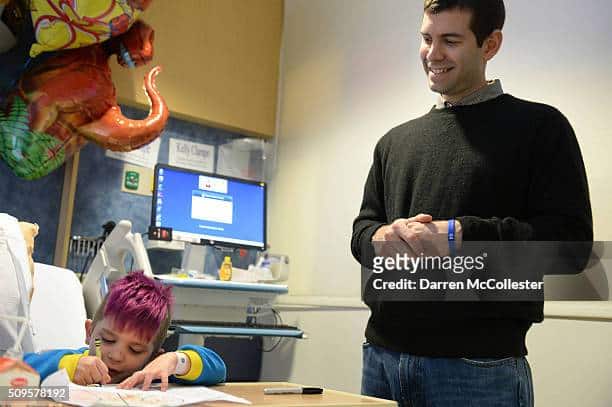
[330,398]
[254,393]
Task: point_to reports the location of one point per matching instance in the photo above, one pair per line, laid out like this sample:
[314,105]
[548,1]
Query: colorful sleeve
[48,362]
[207,367]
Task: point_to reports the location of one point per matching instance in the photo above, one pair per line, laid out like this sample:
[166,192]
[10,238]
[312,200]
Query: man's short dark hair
[487,15]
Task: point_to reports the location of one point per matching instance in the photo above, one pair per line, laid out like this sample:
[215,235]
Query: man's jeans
[416,381]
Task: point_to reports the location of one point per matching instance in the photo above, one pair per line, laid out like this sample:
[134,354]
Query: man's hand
[160,368]
[90,370]
[387,234]
[387,242]
[415,236]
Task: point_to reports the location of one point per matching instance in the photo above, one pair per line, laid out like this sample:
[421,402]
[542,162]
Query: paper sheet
[111,396]
[145,156]
[187,154]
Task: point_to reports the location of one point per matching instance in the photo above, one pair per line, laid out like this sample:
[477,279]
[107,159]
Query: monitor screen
[209,208]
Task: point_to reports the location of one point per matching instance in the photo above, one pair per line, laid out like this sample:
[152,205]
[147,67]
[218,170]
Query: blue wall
[34,201]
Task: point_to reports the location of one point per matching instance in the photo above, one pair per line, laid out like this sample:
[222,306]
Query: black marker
[293,390]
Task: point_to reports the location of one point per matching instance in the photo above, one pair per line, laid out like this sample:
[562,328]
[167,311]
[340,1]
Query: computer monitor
[209,208]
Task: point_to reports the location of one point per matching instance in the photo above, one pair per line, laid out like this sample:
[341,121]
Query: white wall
[350,73]
[348,66]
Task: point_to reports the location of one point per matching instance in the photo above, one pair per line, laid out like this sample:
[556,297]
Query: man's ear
[492,44]
[88,329]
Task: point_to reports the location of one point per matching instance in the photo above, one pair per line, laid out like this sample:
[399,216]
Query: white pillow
[57,310]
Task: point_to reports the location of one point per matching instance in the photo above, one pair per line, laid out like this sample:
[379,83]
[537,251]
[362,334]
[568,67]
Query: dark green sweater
[507,169]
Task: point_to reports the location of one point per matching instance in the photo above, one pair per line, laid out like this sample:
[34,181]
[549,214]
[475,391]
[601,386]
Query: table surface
[254,393]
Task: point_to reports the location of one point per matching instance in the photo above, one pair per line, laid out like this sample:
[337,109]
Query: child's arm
[206,368]
[48,362]
[202,365]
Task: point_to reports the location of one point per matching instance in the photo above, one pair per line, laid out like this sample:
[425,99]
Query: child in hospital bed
[131,323]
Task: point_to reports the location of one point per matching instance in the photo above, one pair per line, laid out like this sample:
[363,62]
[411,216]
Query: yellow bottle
[225,272]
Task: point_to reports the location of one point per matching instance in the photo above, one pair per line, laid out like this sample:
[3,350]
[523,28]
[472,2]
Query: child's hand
[90,370]
[160,368]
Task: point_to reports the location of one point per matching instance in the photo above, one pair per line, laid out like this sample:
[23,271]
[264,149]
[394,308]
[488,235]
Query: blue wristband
[451,236]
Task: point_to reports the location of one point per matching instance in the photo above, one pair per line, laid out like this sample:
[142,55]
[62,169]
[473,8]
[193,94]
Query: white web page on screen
[212,209]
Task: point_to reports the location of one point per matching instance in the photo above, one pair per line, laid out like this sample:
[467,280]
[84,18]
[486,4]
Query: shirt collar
[491,90]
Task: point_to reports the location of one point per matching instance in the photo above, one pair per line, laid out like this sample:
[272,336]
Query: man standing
[482,165]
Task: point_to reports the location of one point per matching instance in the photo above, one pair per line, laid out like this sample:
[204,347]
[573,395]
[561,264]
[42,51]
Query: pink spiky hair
[140,303]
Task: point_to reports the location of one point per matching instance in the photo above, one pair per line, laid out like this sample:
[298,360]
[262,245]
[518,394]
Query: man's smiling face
[453,61]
